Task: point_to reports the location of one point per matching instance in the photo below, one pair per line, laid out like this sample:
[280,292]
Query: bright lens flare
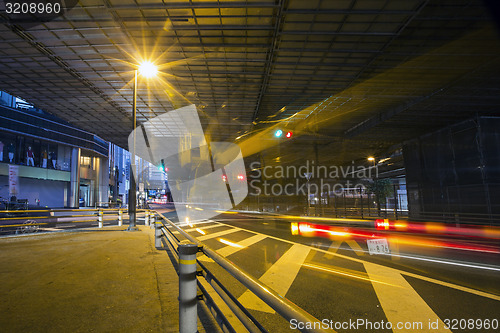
[148,69]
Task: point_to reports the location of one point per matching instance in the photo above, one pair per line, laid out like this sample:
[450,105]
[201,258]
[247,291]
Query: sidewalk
[93,280]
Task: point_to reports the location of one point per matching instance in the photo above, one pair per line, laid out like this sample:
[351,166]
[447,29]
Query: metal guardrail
[206,280]
[34,220]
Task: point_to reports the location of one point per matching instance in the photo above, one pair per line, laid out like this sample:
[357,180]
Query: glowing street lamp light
[148,70]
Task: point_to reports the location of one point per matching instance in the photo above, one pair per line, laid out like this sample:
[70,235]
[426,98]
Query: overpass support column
[101,183]
[74,194]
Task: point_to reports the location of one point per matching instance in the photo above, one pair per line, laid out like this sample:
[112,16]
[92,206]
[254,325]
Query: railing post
[146,218]
[158,235]
[153,214]
[188,317]
[99,214]
[120,217]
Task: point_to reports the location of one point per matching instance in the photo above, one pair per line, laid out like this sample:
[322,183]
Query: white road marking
[216,234]
[454,286]
[228,250]
[417,276]
[336,245]
[400,302]
[332,249]
[279,277]
[202,228]
[355,247]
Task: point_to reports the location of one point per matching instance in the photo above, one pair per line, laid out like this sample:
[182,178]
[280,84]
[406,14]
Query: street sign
[378,246]
[13,180]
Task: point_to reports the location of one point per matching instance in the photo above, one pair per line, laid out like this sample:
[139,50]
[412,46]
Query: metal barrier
[210,286]
[30,221]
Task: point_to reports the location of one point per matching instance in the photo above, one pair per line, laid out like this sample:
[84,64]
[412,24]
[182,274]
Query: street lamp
[148,70]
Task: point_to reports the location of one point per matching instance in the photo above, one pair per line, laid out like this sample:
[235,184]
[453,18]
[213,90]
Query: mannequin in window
[53,157]
[44,159]
[11,150]
[29,157]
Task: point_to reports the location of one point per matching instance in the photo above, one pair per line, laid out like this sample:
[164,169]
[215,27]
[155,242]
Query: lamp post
[147,70]
[375,184]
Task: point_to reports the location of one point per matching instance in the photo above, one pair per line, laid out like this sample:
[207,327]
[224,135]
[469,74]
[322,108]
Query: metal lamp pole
[132,194]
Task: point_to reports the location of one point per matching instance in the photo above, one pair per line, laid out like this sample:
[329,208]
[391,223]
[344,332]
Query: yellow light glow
[197,208]
[222,240]
[371,158]
[225,212]
[312,218]
[295,228]
[201,231]
[336,233]
[148,69]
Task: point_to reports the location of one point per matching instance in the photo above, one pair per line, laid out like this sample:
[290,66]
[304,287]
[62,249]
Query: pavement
[92,280]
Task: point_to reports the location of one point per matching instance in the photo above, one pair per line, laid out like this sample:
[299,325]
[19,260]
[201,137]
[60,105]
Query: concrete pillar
[97,181]
[103,176]
[74,194]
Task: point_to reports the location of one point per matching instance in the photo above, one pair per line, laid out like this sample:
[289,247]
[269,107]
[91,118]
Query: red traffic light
[224,178]
[288,134]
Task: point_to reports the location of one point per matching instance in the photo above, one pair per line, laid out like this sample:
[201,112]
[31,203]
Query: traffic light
[241,177]
[161,167]
[279,133]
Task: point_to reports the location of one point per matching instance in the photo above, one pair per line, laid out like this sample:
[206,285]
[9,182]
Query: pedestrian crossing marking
[279,277]
[355,247]
[403,304]
[228,250]
[451,285]
[203,228]
[361,261]
[216,234]
[336,245]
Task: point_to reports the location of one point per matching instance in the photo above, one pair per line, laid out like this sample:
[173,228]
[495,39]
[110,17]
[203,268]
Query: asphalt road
[418,285]
[426,283]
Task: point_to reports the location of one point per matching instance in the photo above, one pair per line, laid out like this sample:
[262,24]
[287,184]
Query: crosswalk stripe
[332,249]
[203,228]
[228,250]
[361,261]
[400,302]
[216,234]
[279,277]
[336,245]
[355,247]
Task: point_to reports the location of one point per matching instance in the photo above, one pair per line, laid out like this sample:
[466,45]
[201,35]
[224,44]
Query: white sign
[141,187]
[378,246]
[13,180]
